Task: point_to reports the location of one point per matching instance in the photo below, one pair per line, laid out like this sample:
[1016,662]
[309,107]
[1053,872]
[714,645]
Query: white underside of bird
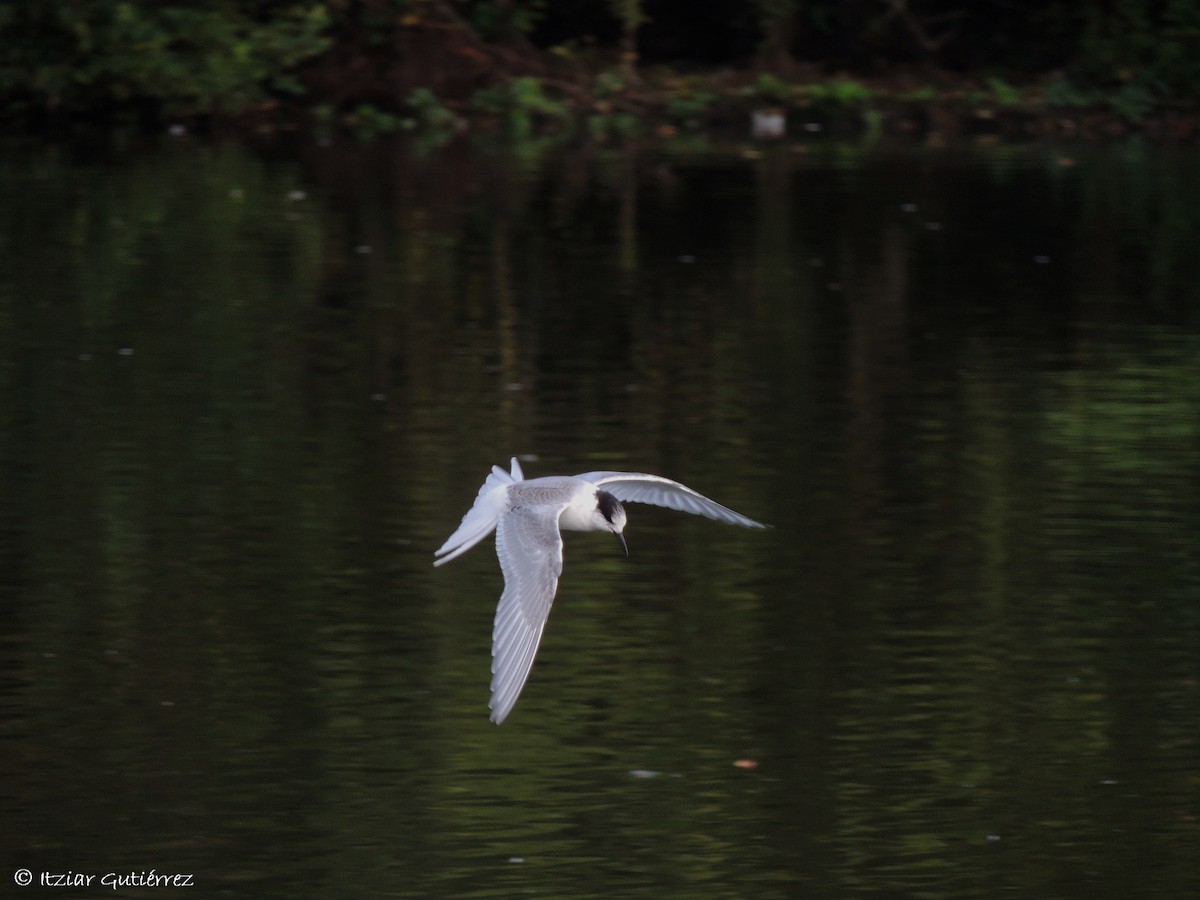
[529,518]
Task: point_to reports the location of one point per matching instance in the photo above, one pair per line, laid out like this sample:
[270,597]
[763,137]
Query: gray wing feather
[635,487]
[481,518]
[530,549]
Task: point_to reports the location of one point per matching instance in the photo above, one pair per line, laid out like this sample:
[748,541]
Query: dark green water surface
[245,394]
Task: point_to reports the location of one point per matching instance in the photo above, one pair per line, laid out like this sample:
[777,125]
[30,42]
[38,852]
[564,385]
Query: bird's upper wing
[635,487]
[481,518]
[530,548]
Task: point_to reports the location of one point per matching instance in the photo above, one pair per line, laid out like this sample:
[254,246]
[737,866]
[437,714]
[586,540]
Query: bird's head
[612,516]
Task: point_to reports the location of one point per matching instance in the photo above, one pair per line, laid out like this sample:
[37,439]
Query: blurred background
[245,395]
[255,364]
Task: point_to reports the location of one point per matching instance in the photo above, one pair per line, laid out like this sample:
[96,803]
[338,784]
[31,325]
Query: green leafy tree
[184,57]
[779,21]
[1147,44]
[632,16]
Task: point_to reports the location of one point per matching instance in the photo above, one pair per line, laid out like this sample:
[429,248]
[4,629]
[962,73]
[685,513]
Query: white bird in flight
[528,518]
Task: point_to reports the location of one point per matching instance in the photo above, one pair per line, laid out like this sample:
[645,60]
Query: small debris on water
[768,124]
[746,764]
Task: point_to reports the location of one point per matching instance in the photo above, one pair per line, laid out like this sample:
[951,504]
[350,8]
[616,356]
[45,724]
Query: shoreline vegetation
[767,69]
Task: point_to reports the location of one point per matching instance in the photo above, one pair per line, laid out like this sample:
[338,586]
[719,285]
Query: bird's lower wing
[635,487]
[530,549]
[481,518]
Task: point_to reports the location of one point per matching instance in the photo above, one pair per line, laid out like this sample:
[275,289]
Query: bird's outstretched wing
[635,487]
[530,548]
[481,518]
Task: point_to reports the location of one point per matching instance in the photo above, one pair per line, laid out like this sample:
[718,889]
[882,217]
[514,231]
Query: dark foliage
[189,57]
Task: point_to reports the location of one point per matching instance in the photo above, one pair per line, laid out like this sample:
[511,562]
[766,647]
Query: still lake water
[245,393]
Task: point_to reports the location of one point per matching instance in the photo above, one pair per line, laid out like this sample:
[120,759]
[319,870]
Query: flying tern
[529,518]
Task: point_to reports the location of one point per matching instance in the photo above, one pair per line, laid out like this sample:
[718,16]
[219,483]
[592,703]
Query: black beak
[621,541]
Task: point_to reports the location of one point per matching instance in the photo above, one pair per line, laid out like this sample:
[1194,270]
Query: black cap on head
[612,510]
[608,504]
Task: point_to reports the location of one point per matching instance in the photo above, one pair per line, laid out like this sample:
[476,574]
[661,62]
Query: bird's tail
[481,518]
